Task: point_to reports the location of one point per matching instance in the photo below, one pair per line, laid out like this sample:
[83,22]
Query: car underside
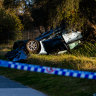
[49,42]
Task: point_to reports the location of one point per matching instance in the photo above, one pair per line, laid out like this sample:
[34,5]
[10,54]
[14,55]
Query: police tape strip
[48,70]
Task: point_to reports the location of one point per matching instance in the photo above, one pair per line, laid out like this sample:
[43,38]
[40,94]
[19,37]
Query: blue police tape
[48,70]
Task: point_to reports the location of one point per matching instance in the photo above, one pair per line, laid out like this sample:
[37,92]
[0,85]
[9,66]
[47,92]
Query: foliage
[1,3]
[10,26]
[27,21]
[10,3]
[85,49]
[63,10]
[75,14]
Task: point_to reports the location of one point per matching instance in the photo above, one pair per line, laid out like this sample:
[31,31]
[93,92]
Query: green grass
[85,49]
[57,85]
[51,84]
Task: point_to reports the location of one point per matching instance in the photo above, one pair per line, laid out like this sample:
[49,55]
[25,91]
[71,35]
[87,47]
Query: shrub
[10,26]
[85,49]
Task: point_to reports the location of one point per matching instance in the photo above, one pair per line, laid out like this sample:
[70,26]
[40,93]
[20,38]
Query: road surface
[11,88]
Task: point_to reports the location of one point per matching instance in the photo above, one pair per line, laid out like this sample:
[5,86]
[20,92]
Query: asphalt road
[11,88]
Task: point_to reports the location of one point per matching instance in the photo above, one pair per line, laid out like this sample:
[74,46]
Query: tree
[88,10]
[74,14]
[10,26]
[1,3]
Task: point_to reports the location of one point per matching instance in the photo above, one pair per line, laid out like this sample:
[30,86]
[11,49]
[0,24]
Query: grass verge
[51,84]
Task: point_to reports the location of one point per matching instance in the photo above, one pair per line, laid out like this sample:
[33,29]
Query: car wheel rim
[32,45]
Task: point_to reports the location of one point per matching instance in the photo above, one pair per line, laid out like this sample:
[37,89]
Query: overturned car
[53,41]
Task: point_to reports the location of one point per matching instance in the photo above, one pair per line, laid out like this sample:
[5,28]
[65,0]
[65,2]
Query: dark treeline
[19,15]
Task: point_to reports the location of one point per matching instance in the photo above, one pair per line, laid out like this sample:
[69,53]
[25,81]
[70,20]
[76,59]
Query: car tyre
[33,46]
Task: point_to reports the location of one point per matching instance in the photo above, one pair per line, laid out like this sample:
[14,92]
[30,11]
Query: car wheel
[33,46]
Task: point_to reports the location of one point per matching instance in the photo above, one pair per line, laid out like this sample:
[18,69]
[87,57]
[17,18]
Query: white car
[53,41]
